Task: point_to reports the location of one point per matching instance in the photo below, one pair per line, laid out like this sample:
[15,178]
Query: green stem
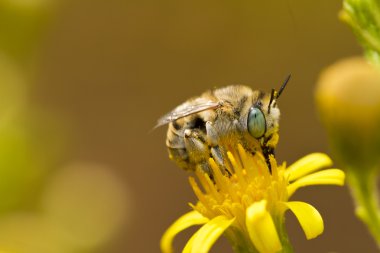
[286,245]
[364,18]
[240,243]
[364,191]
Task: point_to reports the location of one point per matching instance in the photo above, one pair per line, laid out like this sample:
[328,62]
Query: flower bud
[348,99]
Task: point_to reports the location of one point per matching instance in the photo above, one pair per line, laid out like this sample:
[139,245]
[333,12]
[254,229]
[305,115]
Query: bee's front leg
[213,139]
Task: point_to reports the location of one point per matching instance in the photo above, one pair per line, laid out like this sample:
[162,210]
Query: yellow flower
[248,205]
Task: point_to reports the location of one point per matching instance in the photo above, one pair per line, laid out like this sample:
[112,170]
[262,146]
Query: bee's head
[263,116]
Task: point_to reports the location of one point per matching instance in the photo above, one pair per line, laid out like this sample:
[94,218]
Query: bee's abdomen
[174,138]
[180,157]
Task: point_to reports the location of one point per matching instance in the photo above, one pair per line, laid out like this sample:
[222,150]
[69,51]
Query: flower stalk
[348,99]
[364,191]
[363,16]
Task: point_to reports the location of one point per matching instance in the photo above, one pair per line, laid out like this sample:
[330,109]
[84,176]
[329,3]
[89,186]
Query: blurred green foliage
[74,209]
[363,16]
[22,25]
[28,140]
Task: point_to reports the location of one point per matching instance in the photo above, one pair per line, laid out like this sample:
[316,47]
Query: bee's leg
[217,152]
[212,134]
[206,168]
[197,147]
[217,155]
[268,149]
[195,143]
[212,138]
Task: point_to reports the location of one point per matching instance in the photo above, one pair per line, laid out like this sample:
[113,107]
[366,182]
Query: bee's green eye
[256,123]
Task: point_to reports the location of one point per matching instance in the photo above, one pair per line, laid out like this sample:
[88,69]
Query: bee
[215,122]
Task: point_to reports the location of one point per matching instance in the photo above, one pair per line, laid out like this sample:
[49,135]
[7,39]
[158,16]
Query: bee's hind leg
[197,147]
[195,143]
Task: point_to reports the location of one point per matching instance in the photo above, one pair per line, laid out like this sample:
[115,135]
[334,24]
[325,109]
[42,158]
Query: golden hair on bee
[219,119]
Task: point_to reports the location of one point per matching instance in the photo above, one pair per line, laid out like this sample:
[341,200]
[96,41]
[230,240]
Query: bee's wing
[187,109]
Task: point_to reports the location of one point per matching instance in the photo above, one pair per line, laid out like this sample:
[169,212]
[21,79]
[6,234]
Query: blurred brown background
[112,68]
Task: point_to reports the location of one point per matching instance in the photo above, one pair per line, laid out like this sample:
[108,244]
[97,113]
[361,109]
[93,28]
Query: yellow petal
[206,236]
[308,217]
[187,220]
[189,245]
[261,228]
[307,165]
[324,177]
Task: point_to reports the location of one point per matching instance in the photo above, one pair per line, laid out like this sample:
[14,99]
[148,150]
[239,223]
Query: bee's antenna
[283,86]
[272,97]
